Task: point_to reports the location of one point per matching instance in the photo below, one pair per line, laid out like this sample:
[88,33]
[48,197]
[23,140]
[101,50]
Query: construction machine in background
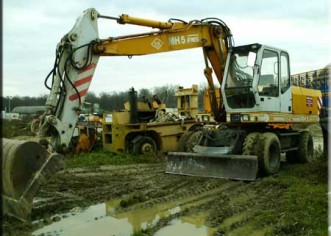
[257,107]
[86,134]
[88,128]
[320,80]
[149,127]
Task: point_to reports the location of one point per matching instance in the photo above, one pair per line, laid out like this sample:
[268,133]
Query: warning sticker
[309,101]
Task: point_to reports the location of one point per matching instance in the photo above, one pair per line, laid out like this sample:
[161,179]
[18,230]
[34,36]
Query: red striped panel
[83,81]
[90,66]
[75,95]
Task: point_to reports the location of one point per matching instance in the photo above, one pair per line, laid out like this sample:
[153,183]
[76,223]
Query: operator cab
[257,79]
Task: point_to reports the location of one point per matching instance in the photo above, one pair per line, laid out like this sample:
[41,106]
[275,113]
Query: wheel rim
[147,148]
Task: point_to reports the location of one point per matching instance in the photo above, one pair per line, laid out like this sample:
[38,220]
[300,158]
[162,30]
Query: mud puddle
[187,226]
[109,219]
[92,221]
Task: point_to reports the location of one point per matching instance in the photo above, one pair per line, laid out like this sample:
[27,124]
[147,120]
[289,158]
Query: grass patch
[301,207]
[303,211]
[14,128]
[98,158]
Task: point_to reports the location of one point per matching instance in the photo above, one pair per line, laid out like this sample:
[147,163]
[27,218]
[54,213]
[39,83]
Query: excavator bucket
[238,167]
[25,166]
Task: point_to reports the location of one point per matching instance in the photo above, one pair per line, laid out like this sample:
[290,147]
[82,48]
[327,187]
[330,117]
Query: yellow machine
[87,134]
[257,106]
[146,127]
[187,101]
[320,80]
[88,128]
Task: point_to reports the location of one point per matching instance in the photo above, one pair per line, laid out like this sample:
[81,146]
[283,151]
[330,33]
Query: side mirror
[251,59]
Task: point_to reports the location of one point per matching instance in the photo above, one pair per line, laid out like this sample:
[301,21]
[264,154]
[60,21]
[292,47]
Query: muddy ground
[141,199]
[144,194]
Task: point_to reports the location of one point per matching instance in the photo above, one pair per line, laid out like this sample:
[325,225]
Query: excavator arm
[79,51]
[71,77]
[27,165]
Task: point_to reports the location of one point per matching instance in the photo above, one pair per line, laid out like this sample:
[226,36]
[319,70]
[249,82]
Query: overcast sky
[32,29]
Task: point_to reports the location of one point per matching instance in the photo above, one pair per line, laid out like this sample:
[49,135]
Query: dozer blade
[238,167]
[25,166]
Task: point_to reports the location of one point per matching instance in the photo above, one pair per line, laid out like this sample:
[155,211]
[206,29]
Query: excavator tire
[193,140]
[250,144]
[305,152]
[183,140]
[268,153]
[25,166]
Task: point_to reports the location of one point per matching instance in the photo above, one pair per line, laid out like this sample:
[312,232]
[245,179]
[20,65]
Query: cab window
[285,72]
[268,84]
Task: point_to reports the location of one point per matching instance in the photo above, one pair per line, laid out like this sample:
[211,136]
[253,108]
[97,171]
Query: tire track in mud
[192,195]
[209,198]
[83,187]
[224,206]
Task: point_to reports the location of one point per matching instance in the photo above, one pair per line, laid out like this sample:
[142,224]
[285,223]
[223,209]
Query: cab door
[268,82]
[285,84]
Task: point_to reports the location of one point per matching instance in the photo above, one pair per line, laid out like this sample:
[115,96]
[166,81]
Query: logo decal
[309,101]
[184,39]
[157,43]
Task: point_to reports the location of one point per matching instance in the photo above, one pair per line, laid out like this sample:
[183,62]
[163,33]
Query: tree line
[108,101]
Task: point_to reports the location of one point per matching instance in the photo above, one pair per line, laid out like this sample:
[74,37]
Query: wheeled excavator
[256,109]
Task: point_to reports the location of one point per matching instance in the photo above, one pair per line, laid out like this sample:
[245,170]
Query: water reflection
[142,217]
[110,219]
[91,221]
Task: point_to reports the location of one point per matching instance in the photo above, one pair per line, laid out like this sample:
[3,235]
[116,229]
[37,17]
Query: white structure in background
[10,116]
